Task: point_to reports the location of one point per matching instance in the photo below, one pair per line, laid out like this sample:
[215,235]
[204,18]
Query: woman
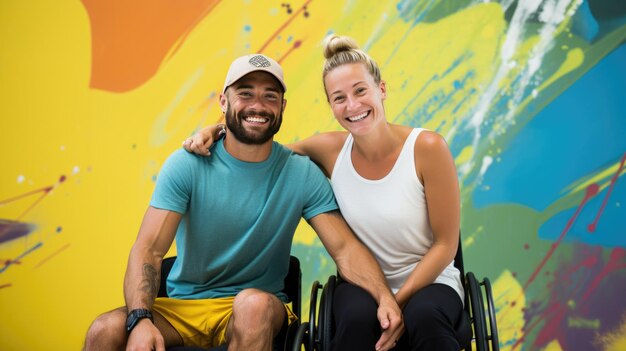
[397,188]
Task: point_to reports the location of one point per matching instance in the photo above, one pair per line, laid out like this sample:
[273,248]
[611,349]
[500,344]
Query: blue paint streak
[581,132]
[420,115]
[7,265]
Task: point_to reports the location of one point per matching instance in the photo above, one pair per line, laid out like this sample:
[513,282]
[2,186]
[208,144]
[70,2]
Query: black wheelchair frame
[292,288]
[471,331]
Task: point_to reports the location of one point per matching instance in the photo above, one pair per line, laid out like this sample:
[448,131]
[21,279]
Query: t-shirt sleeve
[174,183]
[319,197]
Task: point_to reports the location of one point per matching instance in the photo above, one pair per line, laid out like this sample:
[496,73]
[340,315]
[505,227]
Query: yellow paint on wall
[554,345]
[464,156]
[602,178]
[510,304]
[450,62]
[110,146]
[614,340]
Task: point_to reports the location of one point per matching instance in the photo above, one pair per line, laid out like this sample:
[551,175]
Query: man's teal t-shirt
[239,218]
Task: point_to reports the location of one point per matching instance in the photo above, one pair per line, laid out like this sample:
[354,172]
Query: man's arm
[143,273]
[357,265]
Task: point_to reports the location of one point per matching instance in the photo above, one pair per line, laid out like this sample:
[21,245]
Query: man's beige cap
[251,63]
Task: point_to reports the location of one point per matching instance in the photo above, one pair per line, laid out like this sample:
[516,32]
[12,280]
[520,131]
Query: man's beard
[234,122]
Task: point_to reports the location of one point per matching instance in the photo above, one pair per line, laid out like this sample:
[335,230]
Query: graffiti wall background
[94,95]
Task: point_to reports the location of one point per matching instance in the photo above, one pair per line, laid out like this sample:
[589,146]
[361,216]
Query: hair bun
[335,44]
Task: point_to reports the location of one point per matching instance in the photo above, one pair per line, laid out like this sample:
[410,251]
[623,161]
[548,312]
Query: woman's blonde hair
[341,50]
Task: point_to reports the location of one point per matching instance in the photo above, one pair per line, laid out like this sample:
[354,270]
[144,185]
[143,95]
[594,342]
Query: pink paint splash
[12,229]
[592,227]
[590,192]
[616,262]
[578,283]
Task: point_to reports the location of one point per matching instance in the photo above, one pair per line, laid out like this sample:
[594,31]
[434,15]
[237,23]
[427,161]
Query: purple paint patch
[10,230]
[586,298]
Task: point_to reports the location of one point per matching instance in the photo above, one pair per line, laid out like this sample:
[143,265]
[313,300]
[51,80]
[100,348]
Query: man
[234,216]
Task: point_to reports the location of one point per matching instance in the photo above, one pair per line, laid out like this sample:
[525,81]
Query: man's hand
[391,323]
[145,337]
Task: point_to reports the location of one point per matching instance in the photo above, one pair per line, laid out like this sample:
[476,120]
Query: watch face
[135,316]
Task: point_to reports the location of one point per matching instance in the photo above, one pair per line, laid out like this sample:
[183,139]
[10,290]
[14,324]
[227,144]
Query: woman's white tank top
[389,215]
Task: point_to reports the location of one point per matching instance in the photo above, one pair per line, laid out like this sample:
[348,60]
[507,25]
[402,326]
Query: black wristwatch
[135,316]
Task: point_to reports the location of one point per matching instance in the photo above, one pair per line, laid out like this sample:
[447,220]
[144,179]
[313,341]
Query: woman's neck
[378,144]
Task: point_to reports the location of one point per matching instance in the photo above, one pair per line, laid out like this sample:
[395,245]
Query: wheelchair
[476,330]
[292,288]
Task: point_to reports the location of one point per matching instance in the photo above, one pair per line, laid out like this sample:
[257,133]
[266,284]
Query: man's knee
[255,303]
[107,329]
[257,318]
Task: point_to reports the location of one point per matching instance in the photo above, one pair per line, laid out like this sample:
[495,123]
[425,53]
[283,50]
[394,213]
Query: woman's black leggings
[429,319]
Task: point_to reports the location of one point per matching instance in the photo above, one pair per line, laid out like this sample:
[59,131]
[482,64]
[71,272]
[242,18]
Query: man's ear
[284,104]
[383,89]
[223,102]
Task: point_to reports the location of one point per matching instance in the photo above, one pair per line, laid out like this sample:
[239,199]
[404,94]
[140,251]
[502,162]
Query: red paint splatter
[9,226]
[295,46]
[616,262]
[592,227]
[281,28]
[52,255]
[590,192]
[46,189]
[9,261]
[556,314]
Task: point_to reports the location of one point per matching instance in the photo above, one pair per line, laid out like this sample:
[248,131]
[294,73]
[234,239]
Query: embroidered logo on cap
[259,61]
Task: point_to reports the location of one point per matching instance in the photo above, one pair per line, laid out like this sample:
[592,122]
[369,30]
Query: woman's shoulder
[426,139]
[430,152]
[429,141]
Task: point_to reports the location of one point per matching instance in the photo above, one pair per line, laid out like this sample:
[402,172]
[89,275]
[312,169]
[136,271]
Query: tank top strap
[344,154]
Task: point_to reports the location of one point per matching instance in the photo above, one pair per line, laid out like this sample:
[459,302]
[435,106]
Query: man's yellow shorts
[201,323]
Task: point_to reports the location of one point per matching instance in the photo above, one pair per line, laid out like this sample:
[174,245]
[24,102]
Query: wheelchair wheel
[477,313]
[491,308]
[299,338]
[325,318]
[313,340]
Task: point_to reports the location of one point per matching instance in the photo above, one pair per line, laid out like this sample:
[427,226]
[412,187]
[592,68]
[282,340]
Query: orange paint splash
[130,39]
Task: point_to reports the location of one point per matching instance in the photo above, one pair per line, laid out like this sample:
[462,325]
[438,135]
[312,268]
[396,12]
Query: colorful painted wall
[530,94]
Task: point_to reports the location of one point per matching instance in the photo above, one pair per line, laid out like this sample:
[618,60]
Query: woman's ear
[383,89]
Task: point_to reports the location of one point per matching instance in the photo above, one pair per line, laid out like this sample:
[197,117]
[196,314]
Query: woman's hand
[201,142]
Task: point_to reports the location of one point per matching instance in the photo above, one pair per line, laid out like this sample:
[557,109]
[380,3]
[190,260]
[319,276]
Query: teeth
[256,119]
[358,117]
